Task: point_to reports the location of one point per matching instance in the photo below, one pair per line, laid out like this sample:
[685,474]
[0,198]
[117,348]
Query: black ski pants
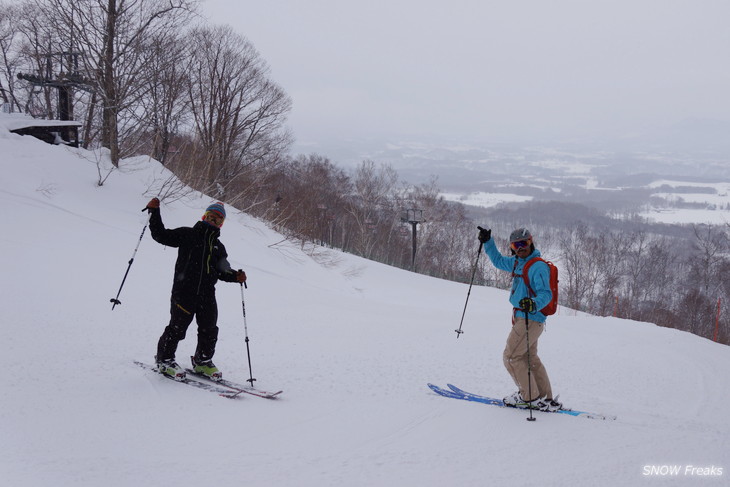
[182,311]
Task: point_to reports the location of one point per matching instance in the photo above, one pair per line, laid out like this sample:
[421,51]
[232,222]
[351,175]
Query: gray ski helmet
[519,234]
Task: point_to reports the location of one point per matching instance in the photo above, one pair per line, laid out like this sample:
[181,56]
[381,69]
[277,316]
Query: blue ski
[456,393]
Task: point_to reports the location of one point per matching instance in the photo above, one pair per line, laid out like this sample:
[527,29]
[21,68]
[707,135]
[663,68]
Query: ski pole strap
[524,276]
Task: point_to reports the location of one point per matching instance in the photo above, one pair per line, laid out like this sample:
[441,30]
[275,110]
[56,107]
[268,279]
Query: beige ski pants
[515,360]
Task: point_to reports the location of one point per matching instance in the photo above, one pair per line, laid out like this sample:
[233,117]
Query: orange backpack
[552,306]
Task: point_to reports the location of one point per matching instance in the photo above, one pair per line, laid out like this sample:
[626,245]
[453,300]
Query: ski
[233,386]
[205,386]
[457,393]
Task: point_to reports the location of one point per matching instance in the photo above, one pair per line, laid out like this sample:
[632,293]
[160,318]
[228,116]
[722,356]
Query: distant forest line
[671,275]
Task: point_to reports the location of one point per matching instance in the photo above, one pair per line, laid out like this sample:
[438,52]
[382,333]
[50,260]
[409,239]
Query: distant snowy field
[687,216]
[352,343]
[485,200]
[714,201]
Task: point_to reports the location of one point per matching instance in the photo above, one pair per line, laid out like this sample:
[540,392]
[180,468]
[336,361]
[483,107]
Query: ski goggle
[214,217]
[521,244]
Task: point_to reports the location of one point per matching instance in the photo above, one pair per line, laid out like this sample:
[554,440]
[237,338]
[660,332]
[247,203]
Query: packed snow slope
[351,342]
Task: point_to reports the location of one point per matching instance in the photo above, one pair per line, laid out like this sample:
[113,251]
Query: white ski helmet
[520,234]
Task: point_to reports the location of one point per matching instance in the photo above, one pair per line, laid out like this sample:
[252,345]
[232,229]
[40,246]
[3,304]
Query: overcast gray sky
[490,69]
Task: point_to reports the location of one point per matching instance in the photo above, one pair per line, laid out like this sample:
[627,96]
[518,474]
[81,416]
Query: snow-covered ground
[352,343]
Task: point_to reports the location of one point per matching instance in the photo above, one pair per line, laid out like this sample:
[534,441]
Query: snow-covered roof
[15,121]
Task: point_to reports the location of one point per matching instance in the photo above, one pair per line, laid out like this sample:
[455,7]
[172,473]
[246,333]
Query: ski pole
[116,301]
[245,329]
[473,273]
[529,366]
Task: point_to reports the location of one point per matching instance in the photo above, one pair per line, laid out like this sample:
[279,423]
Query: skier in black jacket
[201,262]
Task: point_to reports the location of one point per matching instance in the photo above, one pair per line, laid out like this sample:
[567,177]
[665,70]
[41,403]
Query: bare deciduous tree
[371,205]
[113,35]
[237,111]
[579,267]
[163,104]
[8,37]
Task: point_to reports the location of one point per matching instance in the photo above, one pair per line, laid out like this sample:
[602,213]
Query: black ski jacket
[201,257]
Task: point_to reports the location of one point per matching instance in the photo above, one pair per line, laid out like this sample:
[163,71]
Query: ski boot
[550,405]
[515,400]
[207,369]
[171,369]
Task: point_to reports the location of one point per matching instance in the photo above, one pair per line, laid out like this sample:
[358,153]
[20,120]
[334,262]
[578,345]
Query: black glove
[484,234]
[527,305]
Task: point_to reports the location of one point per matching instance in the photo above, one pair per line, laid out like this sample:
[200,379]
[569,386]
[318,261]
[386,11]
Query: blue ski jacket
[539,275]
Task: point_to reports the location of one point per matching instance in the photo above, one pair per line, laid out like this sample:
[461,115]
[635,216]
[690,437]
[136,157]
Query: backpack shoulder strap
[526,277]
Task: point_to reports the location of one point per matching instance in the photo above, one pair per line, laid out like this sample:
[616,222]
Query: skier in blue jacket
[534,387]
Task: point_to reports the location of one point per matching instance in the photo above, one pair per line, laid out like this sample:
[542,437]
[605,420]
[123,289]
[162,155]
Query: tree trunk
[109,135]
